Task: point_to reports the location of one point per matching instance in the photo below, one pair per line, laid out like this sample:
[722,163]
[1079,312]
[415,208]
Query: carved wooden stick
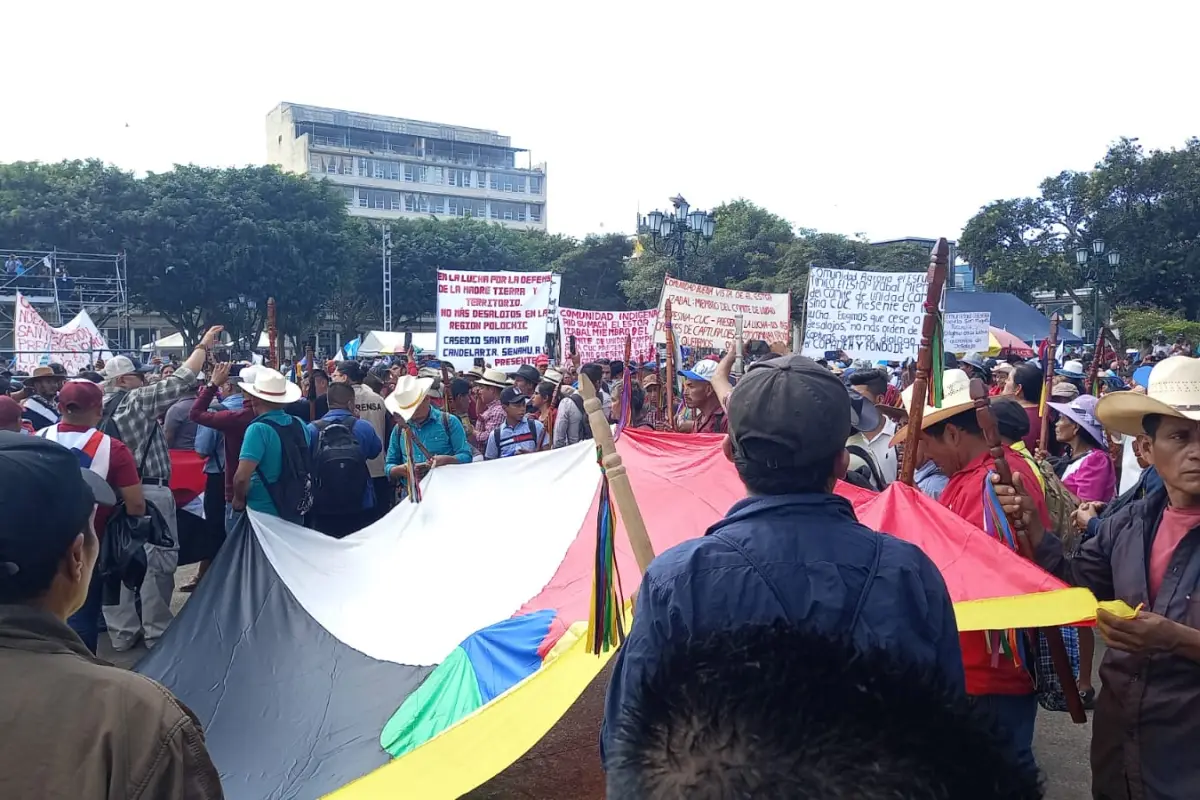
[312,384]
[1054,640]
[1048,383]
[935,277]
[669,389]
[272,352]
[1096,358]
[618,481]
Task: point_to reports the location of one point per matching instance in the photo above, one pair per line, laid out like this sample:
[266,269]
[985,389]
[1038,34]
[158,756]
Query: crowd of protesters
[1110,501]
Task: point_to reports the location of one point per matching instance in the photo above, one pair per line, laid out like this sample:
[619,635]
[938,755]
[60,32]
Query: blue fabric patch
[506,653]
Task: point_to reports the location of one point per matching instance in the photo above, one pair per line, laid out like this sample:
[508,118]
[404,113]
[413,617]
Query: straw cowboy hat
[271,386]
[407,396]
[956,398]
[495,377]
[552,376]
[1172,391]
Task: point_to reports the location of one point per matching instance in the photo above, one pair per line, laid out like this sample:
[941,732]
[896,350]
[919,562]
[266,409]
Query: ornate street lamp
[679,232]
[1085,257]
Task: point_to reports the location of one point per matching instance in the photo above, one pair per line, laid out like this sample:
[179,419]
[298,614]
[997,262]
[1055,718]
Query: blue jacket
[368,442]
[802,559]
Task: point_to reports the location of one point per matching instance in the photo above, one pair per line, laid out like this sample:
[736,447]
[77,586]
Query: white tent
[377,343]
[175,342]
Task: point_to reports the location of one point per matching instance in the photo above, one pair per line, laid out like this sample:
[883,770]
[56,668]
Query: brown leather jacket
[1147,719]
[80,728]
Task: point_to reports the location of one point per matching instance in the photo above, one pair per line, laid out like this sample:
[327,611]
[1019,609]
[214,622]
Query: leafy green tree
[593,271]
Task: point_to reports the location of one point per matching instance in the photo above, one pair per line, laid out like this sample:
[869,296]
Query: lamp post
[1089,262]
[678,232]
[240,309]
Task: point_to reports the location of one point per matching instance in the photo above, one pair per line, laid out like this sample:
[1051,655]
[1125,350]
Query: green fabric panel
[447,695]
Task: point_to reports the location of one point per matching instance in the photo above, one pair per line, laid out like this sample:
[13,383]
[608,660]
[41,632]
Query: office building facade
[389,167]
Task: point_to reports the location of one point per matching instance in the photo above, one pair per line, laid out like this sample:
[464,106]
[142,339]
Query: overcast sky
[888,119]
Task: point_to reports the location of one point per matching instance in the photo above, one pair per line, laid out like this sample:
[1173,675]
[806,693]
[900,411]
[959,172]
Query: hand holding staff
[939,259]
[1047,383]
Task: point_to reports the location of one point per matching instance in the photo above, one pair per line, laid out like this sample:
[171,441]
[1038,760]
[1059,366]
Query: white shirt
[881,448]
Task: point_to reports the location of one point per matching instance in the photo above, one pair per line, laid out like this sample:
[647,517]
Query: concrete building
[390,167]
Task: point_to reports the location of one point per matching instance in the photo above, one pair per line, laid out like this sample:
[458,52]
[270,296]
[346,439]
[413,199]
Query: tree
[210,236]
[1141,326]
[592,273]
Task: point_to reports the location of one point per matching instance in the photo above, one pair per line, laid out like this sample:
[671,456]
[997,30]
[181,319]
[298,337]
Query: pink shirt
[1176,522]
[1092,478]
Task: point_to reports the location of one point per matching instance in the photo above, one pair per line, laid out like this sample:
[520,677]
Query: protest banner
[967,331]
[75,345]
[601,334]
[703,316]
[499,317]
[871,315]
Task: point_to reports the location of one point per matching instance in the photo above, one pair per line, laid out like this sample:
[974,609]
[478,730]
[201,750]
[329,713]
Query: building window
[535,212]
[535,185]
[434,175]
[459,177]
[362,198]
[437,204]
[410,202]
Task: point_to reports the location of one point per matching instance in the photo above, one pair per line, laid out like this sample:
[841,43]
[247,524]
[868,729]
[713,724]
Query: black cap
[1011,420]
[510,396]
[47,499]
[863,414]
[789,412]
[528,373]
[459,387]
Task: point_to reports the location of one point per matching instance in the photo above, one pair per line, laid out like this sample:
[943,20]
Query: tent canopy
[175,342]
[1009,313]
[386,343]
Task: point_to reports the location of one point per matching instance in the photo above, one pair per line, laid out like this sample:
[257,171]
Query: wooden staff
[626,371]
[662,397]
[1054,640]
[312,384]
[737,336]
[1094,370]
[935,280]
[410,468]
[618,481]
[669,389]
[272,354]
[1048,384]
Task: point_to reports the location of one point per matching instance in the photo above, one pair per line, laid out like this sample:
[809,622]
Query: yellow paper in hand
[1118,608]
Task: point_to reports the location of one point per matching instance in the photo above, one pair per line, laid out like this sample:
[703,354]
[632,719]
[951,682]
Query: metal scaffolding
[60,284]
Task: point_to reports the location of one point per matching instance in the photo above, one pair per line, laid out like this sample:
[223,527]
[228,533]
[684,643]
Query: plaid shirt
[137,421]
[490,418]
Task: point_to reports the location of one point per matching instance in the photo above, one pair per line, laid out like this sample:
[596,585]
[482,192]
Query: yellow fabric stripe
[494,736]
[1041,610]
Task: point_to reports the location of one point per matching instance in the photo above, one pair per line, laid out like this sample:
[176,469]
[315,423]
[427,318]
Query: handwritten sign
[601,334]
[703,316]
[871,315]
[75,345]
[497,316]
[967,331]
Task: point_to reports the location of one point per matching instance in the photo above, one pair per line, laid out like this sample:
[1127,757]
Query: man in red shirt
[232,422]
[952,438]
[81,404]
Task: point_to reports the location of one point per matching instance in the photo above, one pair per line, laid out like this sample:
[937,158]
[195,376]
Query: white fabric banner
[410,587]
[497,316]
[967,331]
[702,316]
[601,334]
[75,345]
[871,315]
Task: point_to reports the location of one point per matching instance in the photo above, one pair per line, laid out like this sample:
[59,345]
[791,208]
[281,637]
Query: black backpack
[292,494]
[585,425]
[339,470]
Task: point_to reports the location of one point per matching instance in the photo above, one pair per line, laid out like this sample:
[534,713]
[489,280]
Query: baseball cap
[789,412]
[10,411]
[510,396]
[703,371]
[47,498]
[459,387]
[1011,420]
[124,365]
[542,358]
[82,395]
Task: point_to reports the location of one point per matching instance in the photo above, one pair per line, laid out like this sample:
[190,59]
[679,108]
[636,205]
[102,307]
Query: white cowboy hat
[271,386]
[1172,391]
[407,396]
[956,398]
[495,377]
[552,376]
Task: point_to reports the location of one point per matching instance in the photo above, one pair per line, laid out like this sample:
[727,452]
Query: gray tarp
[288,711]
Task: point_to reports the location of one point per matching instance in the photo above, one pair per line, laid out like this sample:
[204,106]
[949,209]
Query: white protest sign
[75,345]
[703,316]
[601,334]
[497,316]
[966,331]
[871,315]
